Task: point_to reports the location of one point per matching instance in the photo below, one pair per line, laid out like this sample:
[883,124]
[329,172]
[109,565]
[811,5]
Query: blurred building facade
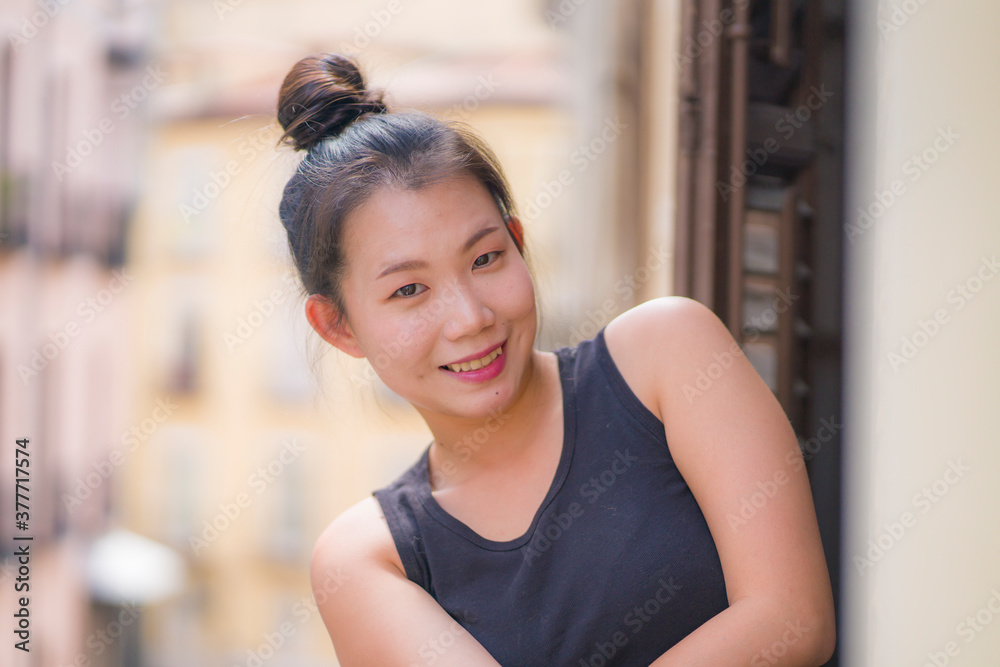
[72,86]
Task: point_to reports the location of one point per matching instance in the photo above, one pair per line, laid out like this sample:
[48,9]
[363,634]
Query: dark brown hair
[355,146]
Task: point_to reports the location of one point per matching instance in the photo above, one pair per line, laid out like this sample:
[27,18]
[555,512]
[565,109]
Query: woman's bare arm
[376,616]
[736,449]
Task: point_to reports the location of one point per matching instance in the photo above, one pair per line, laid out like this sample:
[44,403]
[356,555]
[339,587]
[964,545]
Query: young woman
[575,507]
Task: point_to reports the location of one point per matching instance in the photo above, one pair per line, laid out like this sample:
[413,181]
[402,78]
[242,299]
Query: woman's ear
[516,232]
[331,325]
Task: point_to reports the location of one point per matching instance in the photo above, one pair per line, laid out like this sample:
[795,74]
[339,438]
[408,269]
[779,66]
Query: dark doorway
[759,208]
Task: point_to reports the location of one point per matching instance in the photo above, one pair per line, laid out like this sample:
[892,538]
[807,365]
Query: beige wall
[927,418]
[662,107]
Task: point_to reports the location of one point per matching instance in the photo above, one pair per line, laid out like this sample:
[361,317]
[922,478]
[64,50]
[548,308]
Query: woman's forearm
[751,632]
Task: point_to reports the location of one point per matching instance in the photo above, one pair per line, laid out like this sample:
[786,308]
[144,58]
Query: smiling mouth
[475,364]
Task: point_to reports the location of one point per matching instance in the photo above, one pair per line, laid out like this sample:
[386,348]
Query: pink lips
[483,374]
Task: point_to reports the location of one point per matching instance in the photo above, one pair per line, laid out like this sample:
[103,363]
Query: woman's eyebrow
[478,235]
[420,264]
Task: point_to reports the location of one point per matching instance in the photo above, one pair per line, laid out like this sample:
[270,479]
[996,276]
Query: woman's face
[433,278]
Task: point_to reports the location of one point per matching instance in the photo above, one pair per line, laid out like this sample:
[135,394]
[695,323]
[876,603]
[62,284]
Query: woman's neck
[463,447]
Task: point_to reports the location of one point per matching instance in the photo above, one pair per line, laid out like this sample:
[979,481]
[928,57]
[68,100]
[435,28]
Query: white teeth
[476,364]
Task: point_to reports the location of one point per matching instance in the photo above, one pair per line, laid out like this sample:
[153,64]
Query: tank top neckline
[562,471]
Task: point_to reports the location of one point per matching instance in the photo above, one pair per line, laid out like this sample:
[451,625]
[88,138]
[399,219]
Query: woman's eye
[408,290]
[486,256]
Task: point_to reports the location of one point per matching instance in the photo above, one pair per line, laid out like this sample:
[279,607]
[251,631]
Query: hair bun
[320,96]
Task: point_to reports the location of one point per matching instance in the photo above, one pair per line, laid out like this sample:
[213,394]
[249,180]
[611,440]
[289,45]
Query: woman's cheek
[520,293]
[410,335]
[395,344]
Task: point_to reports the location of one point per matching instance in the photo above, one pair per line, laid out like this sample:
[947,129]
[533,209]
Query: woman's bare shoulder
[657,335]
[372,612]
[359,534]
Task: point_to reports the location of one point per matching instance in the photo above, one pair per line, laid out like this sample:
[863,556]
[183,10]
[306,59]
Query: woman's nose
[466,313]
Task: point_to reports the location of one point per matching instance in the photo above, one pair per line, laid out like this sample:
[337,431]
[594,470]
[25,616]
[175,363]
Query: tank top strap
[404,512]
[637,411]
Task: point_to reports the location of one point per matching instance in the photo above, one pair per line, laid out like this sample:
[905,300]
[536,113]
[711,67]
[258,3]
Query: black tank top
[618,564]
